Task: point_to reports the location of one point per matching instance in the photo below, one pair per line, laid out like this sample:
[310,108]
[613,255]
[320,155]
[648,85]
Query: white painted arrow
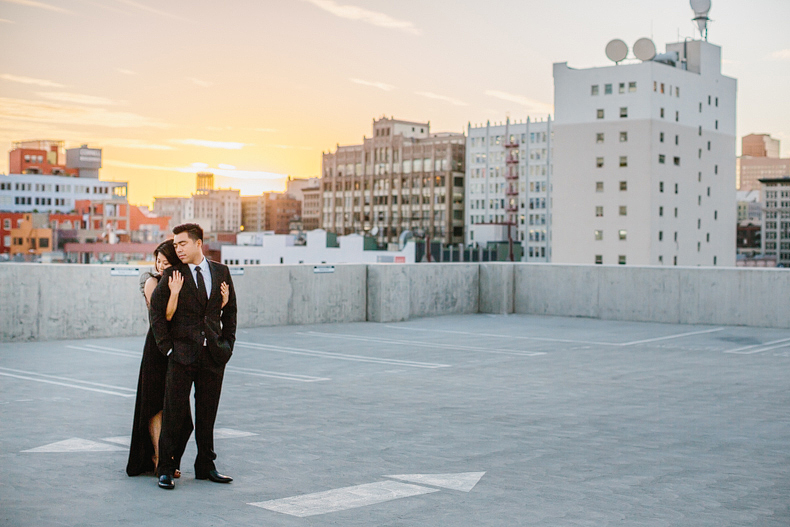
[369,494]
[75,444]
[464,481]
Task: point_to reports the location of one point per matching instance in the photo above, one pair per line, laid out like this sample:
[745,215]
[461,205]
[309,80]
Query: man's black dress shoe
[166,482]
[214,476]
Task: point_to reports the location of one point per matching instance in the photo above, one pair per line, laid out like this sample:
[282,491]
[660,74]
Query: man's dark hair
[193,230]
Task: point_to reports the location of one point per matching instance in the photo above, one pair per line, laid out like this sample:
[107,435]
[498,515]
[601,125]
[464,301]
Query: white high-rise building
[508,175]
[644,156]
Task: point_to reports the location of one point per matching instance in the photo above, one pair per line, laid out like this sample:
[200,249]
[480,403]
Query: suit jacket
[195,320]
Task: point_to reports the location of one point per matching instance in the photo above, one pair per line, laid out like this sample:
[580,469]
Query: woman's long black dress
[150,401]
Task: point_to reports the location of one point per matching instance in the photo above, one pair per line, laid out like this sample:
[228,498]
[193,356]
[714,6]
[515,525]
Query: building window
[621,259]
[599,113]
[623,210]
[623,137]
[623,161]
[715,215]
[599,162]
[660,211]
[660,259]
[662,87]
[621,88]
[717,104]
[676,215]
[594,90]
[598,212]
[677,139]
[676,161]
[623,112]
[599,137]
[661,186]
[661,137]
[707,237]
[717,124]
[631,87]
[7,224]
[599,235]
[622,233]
[598,259]
[599,186]
[677,91]
[676,188]
[662,113]
[624,185]
[607,89]
[660,235]
[674,260]
[661,158]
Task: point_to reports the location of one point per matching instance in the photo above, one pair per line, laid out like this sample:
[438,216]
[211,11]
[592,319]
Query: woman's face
[161,263]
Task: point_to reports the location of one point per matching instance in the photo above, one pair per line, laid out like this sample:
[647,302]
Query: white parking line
[765,346]
[276,375]
[546,339]
[340,356]
[126,354]
[417,343]
[46,380]
[714,330]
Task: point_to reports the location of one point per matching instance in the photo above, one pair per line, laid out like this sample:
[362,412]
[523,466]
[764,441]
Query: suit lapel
[214,280]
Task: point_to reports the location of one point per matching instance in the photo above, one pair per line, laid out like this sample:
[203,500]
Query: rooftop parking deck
[487,420]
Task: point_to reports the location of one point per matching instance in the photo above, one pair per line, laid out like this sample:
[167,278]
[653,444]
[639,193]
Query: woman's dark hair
[168,251]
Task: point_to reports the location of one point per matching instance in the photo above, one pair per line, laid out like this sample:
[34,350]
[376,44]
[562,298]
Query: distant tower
[205,182]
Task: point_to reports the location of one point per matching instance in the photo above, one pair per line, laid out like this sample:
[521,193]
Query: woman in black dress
[144,449]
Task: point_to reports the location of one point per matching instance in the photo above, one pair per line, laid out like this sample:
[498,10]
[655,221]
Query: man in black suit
[199,342]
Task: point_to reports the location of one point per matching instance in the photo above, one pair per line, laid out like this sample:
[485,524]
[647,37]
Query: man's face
[187,249]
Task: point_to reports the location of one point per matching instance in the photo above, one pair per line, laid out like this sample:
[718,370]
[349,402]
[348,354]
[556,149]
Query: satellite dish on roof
[644,49]
[616,50]
[701,8]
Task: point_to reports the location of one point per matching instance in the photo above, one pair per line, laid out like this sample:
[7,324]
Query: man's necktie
[201,285]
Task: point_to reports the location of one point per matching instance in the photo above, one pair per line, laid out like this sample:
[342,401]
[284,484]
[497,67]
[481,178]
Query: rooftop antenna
[616,50]
[701,8]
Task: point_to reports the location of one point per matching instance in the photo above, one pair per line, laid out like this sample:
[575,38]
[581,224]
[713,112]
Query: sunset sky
[254,90]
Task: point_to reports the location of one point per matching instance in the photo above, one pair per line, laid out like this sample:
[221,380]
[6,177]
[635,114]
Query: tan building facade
[760,160]
[33,235]
[270,211]
[401,178]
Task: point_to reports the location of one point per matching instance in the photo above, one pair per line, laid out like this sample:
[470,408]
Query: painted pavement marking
[230,433]
[93,349]
[75,444]
[464,481]
[276,375]
[40,377]
[119,440]
[424,344]
[547,339]
[765,346]
[341,356]
[343,499]
[369,493]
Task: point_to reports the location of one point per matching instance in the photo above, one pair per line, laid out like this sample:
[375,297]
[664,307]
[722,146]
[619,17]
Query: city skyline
[257,93]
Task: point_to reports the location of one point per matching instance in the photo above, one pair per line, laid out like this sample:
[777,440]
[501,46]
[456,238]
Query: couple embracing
[192,310]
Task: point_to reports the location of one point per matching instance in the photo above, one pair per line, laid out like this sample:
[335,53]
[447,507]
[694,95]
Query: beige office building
[760,160]
[402,178]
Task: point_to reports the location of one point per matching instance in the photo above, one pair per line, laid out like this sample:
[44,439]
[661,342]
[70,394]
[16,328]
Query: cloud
[30,80]
[200,167]
[77,98]
[40,5]
[266,130]
[451,100]
[291,147]
[782,54]
[352,12]
[379,85]
[125,72]
[150,9]
[132,143]
[199,82]
[6,21]
[50,112]
[227,145]
[530,104]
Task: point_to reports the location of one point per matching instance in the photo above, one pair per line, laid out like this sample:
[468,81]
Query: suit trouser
[207,378]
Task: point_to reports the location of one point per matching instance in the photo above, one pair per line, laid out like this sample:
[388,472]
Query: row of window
[622,234]
[47,187]
[608,88]
[599,186]
[495,140]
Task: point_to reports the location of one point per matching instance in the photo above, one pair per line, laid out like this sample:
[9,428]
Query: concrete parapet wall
[677,295]
[62,301]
